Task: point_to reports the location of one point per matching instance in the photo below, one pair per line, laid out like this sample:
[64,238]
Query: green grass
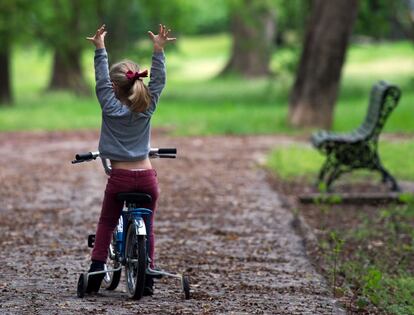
[300,162]
[195,102]
[396,294]
[377,258]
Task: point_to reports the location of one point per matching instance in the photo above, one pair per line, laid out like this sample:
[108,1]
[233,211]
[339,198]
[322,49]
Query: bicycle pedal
[91,240]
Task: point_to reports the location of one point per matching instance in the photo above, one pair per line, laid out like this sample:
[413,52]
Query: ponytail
[139,97]
[130,89]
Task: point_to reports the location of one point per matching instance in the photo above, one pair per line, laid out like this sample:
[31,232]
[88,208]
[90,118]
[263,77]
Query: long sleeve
[104,90]
[157,79]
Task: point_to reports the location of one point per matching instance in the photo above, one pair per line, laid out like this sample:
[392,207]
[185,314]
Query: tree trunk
[317,80]
[5,77]
[253,27]
[67,67]
[67,72]
[5,86]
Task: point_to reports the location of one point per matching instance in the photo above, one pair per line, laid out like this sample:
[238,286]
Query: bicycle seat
[136,198]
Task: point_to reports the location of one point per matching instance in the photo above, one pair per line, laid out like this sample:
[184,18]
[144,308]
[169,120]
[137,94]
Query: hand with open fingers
[99,38]
[161,39]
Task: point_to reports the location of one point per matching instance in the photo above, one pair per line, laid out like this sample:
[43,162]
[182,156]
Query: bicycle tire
[111,279]
[82,285]
[136,262]
[186,287]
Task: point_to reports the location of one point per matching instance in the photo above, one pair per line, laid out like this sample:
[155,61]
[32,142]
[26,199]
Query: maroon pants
[144,181]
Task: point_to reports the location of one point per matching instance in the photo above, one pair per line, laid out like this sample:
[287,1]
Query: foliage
[381,19]
[373,18]
[57,21]
[188,17]
[377,19]
[49,17]
[372,282]
[12,14]
[292,17]
[208,17]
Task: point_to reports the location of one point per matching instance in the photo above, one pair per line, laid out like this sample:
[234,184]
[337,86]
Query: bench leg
[323,170]
[329,172]
[387,177]
[335,174]
[326,167]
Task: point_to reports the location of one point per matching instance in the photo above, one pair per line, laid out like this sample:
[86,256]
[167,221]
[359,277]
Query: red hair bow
[132,76]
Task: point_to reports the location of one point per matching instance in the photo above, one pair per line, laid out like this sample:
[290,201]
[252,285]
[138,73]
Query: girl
[127,106]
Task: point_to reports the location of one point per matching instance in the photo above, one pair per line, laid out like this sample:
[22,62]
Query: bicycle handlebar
[165,151]
[169,153]
[83,157]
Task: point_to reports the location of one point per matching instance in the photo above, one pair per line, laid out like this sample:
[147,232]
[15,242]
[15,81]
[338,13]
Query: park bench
[358,149]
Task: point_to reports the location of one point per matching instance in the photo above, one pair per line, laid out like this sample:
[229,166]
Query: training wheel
[185,282]
[82,284]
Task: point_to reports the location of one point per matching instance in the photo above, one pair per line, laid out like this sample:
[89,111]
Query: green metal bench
[359,149]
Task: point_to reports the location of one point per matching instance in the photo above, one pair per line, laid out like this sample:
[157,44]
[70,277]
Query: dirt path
[218,220]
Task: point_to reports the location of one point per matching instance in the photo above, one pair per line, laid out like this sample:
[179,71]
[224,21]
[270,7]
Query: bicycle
[129,245]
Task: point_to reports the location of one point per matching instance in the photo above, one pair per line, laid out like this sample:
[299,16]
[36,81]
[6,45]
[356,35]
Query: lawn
[196,102]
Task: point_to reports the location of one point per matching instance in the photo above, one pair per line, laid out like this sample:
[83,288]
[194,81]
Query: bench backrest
[384,98]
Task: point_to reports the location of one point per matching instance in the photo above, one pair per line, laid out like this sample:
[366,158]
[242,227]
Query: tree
[61,25]
[11,17]
[253,25]
[5,77]
[66,37]
[318,76]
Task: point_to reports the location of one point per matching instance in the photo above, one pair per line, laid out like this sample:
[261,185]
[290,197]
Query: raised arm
[104,89]
[157,77]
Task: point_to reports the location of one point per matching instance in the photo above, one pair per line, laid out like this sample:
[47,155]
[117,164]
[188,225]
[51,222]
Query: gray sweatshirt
[125,136]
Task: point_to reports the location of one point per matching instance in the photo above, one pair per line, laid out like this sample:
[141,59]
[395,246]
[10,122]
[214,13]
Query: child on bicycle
[127,106]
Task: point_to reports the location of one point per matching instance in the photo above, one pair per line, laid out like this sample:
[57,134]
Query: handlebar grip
[167,151]
[167,156]
[84,156]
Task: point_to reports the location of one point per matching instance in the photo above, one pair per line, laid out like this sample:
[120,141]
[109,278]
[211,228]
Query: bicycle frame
[129,214]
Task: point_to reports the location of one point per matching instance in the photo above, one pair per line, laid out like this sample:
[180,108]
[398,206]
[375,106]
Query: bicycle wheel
[185,282]
[111,279]
[82,284]
[136,261]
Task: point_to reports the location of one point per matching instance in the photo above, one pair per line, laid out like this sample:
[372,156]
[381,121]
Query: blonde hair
[133,93]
